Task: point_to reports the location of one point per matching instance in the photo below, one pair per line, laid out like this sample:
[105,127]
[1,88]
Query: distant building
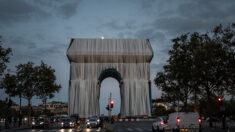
[157,104]
[55,107]
[15,106]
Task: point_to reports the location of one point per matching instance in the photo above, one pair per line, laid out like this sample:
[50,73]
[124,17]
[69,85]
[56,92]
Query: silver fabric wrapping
[90,57]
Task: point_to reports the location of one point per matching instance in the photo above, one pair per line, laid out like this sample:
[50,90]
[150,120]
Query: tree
[171,91]
[47,86]
[200,64]
[28,81]
[3,109]
[210,67]
[179,70]
[226,36]
[18,92]
[4,57]
[9,84]
[36,81]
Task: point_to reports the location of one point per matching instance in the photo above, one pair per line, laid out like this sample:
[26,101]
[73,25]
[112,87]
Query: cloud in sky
[41,30]
[17,11]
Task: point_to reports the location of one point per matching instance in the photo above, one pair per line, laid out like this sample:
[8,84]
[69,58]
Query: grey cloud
[67,10]
[36,48]
[152,7]
[151,34]
[15,11]
[62,8]
[202,9]
[125,34]
[117,25]
[39,36]
[49,3]
[113,24]
[179,25]
[189,16]
[21,42]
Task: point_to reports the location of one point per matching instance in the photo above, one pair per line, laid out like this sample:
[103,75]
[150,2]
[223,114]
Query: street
[61,130]
[142,126]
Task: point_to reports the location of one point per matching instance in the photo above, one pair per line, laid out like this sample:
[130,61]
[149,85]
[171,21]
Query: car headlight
[33,123]
[62,123]
[41,123]
[70,123]
[88,123]
[98,120]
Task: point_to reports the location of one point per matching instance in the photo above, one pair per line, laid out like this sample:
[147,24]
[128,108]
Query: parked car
[41,123]
[67,123]
[160,124]
[76,118]
[93,123]
[182,121]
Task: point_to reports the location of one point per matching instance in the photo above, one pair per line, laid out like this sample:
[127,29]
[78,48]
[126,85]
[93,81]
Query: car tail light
[199,120]
[162,123]
[178,119]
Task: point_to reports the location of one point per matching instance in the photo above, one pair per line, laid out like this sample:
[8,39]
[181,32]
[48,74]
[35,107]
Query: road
[144,126]
[118,127]
[61,130]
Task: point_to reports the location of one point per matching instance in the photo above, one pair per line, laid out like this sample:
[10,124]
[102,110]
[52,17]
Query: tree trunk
[45,108]
[20,116]
[178,106]
[186,105]
[195,102]
[29,111]
[209,107]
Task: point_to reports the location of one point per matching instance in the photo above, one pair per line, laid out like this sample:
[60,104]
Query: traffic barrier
[124,119]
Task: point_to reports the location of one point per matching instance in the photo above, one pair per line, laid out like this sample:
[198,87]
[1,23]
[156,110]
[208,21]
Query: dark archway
[110,73]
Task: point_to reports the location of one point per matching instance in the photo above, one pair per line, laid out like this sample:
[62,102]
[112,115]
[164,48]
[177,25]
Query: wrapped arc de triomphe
[92,60]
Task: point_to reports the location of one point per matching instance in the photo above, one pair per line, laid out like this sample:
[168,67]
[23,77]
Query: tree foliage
[4,57]
[27,79]
[9,84]
[200,65]
[47,85]
[36,81]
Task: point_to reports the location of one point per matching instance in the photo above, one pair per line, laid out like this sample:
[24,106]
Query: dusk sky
[41,30]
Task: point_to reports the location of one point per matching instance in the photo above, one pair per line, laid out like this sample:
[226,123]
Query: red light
[219,99]
[178,119]
[199,120]
[162,123]
[111,102]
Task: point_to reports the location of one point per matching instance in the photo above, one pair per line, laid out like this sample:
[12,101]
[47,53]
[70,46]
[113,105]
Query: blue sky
[41,29]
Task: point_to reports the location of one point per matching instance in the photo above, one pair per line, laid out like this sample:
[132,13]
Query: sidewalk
[214,130]
[14,128]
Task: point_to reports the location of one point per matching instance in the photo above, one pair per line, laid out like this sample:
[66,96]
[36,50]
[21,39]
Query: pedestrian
[15,120]
[228,123]
[101,122]
[112,120]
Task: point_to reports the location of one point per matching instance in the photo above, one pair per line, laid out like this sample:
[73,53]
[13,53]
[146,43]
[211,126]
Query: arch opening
[109,85]
[109,81]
